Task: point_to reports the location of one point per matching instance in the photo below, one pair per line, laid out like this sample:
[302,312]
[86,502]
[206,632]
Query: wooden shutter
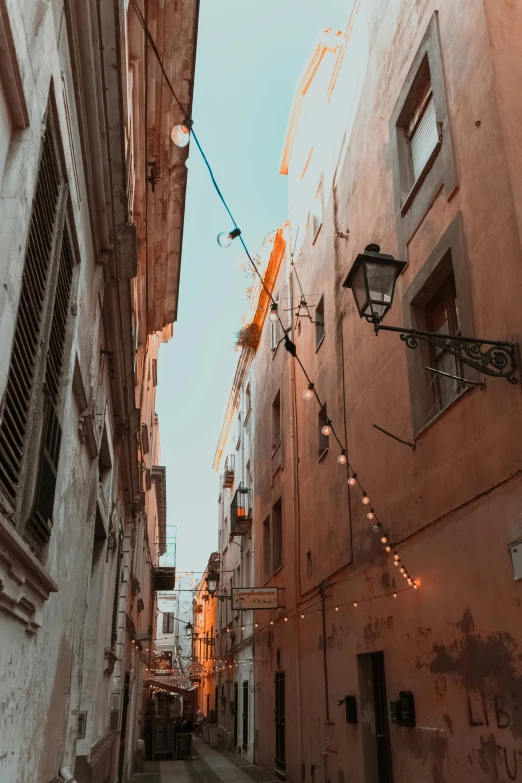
[38,528]
[16,413]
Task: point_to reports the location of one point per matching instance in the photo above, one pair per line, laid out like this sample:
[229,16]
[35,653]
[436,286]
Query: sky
[249,57]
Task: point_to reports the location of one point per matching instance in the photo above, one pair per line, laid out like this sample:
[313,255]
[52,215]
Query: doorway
[236,709]
[123,729]
[280,754]
[378,766]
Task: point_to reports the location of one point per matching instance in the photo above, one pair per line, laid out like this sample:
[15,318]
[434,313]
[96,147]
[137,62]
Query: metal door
[245,715]
[382,727]
[280,754]
[123,728]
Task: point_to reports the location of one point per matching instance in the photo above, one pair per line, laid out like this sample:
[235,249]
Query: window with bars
[168,622]
[30,430]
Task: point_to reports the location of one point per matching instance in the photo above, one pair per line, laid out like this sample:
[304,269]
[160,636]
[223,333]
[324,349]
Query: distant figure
[199,721]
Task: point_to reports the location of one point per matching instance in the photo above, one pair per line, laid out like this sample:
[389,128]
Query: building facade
[84,306]
[401,135]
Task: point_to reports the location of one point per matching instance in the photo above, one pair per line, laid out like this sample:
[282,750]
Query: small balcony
[164,578]
[228,476]
[241,512]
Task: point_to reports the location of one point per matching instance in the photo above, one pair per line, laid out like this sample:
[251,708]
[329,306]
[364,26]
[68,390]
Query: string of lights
[181,136]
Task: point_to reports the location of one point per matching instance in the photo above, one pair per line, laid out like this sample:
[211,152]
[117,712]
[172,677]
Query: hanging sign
[254,598]
[162,664]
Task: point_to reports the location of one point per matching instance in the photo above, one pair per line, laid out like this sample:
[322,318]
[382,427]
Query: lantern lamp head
[372,279]
[189,629]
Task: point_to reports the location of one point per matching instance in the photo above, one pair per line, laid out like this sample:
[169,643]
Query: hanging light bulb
[396,562]
[384,539]
[225,238]
[336,608]
[271,622]
[273,314]
[286,619]
[302,617]
[387,548]
[415,586]
[341,459]
[352,481]
[355,603]
[365,500]
[370,515]
[180,135]
[308,393]
[402,569]
[395,595]
[396,556]
[327,430]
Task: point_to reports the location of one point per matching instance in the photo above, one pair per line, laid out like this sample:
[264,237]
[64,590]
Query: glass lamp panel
[381,283]
[359,291]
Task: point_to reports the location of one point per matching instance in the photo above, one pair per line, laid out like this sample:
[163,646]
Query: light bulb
[365,500]
[273,314]
[415,585]
[286,619]
[351,481]
[384,539]
[387,548]
[326,430]
[355,603]
[405,575]
[402,569]
[396,556]
[271,622]
[302,617]
[341,459]
[180,135]
[370,515]
[225,238]
[409,581]
[395,562]
[395,595]
[308,393]
[336,608]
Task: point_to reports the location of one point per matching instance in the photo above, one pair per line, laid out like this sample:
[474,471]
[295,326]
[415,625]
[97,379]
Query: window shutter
[15,415]
[38,528]
[424,138]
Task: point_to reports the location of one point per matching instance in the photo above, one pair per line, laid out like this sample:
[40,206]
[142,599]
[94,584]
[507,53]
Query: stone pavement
[207,765]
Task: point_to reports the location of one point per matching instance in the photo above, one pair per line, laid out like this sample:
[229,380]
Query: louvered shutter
[15,414]
[38,527]
[424,138]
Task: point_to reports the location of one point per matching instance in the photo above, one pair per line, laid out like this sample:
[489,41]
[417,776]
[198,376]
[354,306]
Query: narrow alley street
[207,765]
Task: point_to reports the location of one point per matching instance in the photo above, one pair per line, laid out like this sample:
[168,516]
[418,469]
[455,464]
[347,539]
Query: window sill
[323,454]
[321,341]
[417,185]
[26,584]
[440,413]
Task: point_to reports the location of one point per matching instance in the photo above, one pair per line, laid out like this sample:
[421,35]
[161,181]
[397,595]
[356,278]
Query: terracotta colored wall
[452,504]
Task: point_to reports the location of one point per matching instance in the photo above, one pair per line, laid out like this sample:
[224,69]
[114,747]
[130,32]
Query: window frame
[320,332]
[412,203]
[449,253]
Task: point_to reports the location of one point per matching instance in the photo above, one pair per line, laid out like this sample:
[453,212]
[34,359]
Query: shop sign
[255,598]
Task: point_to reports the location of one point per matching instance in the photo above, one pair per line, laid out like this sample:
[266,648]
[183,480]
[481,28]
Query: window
[423,133]
[316,213]
[309,563]
[421,146]
[277,536]
[168,622]
[267,559]
[324,440]
[319,323]
[438,299]
[276,421]
[30,428]
[275,331]
[442,316]
[248,404]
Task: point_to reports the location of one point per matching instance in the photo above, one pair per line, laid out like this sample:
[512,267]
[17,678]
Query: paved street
[206,766]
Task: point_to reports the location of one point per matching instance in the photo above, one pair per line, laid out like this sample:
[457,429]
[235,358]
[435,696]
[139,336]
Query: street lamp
[212,582]
[188,630]
[372,279]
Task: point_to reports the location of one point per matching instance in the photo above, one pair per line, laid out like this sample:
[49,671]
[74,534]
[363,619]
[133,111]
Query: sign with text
[254,598]
[162,664]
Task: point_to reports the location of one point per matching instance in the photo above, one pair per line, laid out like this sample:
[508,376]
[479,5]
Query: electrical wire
[290,346]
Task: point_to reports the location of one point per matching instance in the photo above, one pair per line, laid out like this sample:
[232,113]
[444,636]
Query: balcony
[163,578]
[228,476]
[241,512]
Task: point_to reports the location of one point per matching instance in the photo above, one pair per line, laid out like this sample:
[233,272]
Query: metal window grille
[424,138]
[15,414]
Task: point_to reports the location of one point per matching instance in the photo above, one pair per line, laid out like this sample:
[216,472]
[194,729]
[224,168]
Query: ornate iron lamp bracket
[496,358]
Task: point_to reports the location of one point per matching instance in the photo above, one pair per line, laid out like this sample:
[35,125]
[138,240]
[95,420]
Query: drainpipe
[325,664]
[296,518]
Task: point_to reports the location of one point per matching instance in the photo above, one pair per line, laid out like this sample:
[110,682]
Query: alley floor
[207,765]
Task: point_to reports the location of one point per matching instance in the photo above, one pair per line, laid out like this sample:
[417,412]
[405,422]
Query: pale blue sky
[249,57]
